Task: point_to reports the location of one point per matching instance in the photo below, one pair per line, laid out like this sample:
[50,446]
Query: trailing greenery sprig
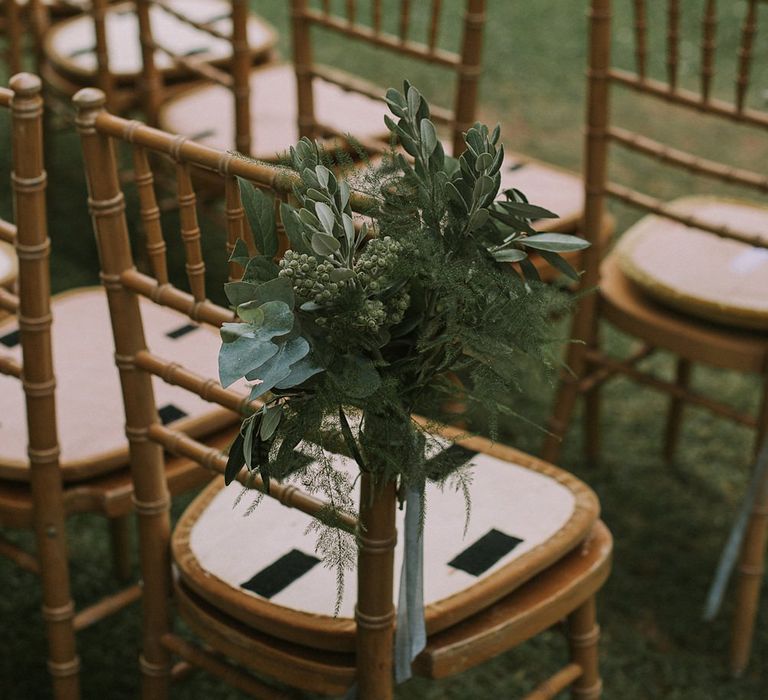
[428,301]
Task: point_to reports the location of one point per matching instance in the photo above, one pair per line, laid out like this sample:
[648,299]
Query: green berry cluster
[378,257]
[311,279]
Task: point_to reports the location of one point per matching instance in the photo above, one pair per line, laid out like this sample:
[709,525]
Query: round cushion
[694,271]
[69,45]
[258,562]
[8,265]
[89,404]
[206,114]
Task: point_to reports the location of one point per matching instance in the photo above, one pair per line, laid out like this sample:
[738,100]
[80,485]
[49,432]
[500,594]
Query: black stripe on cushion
[170,413]
[447,461]
[182,330]
[484,553]
[280,574]
[10,340]
[515,166]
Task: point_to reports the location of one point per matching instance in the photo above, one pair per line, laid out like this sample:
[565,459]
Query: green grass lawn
[669,522]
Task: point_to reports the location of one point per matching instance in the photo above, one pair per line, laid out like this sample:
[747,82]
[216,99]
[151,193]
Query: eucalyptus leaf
[240,254]
[302,370]
[243,355]
[278,289]
[278,367]
[240,292]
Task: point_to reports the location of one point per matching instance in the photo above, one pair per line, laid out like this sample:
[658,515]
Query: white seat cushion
[698,272]
[70,44]
[89,402]
[206,114]
[8,265]
[269,554]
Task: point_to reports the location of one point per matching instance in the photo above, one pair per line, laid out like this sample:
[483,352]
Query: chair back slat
[673,42]
[601,133]
[376,11]
[13,35]
[405,19]
[236,223]
[708,47]
[748,31]
[149,211]
[190,232]
[465,63]
[104,77]
[641,44]
[10,367]
[434,24]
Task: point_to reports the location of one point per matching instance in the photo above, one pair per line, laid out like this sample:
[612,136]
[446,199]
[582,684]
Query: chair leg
[592,421]
[58,608]
[583,636]
[676,405]
[120,534]
[751,564]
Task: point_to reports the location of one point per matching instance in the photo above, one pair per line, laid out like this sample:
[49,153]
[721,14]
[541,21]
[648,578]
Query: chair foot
[583,637]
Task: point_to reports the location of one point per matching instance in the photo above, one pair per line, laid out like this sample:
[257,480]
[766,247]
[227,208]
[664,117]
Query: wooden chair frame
[235,80]
[692,340]
[46,501]
[100,131]
[466,64]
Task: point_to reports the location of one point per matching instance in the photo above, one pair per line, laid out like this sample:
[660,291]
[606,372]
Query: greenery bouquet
[421,305]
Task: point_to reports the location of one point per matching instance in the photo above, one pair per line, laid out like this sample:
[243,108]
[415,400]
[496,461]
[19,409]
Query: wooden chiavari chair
[62,444]
[685,278]
[101,47]
[248,617]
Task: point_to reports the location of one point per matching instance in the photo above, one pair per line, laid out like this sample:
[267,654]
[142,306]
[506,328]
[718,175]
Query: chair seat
[69,45]
[88,399]
[697,272]
[206,114]
[8,265]
[534,606]
[630,309]
[525,515]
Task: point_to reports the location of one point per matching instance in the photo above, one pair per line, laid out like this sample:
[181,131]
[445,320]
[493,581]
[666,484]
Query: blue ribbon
[411,634]
[730,554]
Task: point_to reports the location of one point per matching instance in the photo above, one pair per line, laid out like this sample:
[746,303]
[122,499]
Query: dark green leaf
[260,210]
[260,269]
[528,211]
[324,244]
[270,421]
[293,230]
[559,264]
[510,255]
[555,242]
[235,460]
[240,254]
[349,440]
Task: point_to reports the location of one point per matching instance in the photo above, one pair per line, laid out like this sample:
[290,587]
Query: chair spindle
[748,30]
[434,24]
[673,42]
[190,233]
[708,46]
[149,212]
[641,46]
[405,19]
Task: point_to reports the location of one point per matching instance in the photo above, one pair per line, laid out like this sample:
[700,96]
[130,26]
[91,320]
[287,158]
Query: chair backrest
[699,103]
[19,20]
[235,79]
[465,64]
[29,236]
[148,438]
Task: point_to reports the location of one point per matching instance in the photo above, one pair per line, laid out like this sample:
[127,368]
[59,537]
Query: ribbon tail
[730,553]
[411,634]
